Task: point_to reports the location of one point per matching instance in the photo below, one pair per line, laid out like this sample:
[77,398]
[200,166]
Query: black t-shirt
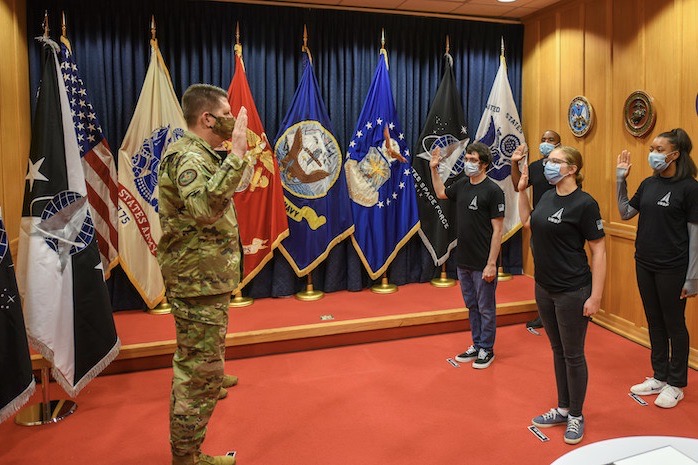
[536,178]
[476,205]
[560,225]
[665,209]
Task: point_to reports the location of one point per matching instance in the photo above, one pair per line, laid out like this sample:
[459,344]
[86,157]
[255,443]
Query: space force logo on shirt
[664,201]
[473,204]
[556,217]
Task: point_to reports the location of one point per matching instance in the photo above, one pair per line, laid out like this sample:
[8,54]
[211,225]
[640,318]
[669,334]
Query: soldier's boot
[222,393]
[184,460]
[217,460]
[229,381]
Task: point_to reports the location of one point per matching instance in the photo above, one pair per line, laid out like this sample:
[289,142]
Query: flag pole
[443,280]
[310,294]
[47,411]
[384,287]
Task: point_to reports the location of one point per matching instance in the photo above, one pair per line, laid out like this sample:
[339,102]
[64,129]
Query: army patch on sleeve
[187,177]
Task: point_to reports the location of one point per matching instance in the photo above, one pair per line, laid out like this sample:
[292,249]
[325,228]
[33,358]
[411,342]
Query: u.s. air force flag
[310,164]
[380,179]
[500,129]
[444,128]
[17,382]
[157,121]
[60,274]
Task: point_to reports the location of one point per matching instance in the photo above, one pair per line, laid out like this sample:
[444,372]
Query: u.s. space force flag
[444,128]
[59,271]
[259,198]
[380,179]
[97,161]
[157,121]
[310,163]
[500,129]
[17,382]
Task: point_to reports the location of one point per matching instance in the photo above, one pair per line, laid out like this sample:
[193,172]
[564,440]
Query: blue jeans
[479,297]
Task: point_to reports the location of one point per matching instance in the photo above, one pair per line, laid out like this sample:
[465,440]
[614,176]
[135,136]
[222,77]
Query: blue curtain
[111,45]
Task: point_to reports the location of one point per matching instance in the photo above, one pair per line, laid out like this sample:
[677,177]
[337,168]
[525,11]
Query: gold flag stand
[239,301]
[501,275]
[163,308]
[309,294]
[443,280]
[384,287]
[48,411]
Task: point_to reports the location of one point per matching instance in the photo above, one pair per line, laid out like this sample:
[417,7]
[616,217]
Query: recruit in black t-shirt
[665,209]
[560,226]
[536,178]
[476,206]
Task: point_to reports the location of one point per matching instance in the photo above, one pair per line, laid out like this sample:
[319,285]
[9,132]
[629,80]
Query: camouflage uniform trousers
[198,369]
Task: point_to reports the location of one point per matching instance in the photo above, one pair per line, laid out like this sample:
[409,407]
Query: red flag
[259,199]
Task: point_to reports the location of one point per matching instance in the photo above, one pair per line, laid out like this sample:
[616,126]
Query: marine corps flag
[157,121]
[444,128]
[60,275]
[17,383]
[500,129]
[310,162]
[259,198]
[380,179]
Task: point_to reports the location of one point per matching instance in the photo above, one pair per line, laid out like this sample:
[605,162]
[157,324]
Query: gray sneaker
[467,356]
[549,418]
[575,429]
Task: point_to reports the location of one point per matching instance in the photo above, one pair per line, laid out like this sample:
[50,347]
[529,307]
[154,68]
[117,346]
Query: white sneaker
[648,387]
[669,397]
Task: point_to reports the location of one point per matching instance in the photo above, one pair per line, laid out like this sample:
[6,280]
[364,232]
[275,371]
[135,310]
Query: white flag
[157,121]
[500,129]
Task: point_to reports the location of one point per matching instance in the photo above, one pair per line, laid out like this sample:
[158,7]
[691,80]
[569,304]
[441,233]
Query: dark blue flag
[380,179]
[315,189]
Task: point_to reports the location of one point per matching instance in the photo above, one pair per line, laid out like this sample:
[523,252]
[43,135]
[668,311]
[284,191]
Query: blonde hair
[573,157]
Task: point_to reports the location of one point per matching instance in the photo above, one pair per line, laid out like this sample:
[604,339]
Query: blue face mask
[658,161]
[471,168]
[545,148]
[552,173]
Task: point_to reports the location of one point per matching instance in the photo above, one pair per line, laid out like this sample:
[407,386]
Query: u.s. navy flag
[17,383]
[60,275]
[310,163]
[97,161]
[380,179]
[500,129]
[157,121]
[259,198]
[444,128]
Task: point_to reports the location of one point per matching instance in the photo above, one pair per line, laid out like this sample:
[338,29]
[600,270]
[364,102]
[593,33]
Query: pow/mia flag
[60,274]
[444,128]
[315,189]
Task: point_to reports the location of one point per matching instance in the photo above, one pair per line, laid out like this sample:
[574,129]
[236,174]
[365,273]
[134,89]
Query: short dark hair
[685,167]
[199,98]
[483,152]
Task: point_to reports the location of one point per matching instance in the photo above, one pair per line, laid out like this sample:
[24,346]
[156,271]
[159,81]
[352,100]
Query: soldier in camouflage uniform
[199,255]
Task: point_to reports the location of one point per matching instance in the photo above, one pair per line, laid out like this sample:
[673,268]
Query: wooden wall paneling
[663,70]
[571,47]
[550,77]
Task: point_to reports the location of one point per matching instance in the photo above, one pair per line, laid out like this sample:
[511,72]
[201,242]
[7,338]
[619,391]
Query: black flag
[444,128]
[17,383]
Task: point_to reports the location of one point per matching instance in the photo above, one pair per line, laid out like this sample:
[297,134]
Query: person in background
[666,258]
[568,290]
[548,141]
[199,255]
[480,210]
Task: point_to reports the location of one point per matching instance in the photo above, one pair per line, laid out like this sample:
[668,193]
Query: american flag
[97,161]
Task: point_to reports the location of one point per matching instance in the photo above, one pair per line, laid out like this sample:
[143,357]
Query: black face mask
[224,126]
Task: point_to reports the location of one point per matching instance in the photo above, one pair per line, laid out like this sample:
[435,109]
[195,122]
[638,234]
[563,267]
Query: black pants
[564,322]
[666,320]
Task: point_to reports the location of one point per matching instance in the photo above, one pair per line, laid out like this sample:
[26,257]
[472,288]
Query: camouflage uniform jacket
[199,251]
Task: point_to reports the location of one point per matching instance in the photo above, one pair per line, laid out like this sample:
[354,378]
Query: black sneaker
[535,324]
[484,359]
[467,356]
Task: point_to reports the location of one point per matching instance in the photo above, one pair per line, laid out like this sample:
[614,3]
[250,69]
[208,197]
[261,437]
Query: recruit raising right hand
[623,166]
[239,139]
[435,158]
[523,181]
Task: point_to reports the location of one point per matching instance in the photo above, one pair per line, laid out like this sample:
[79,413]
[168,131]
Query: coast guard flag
[157,121]
[310,163]
[17,383]
[500,129]
[380,179]
[444,128]
[60,274]
[97,161]
[259,198]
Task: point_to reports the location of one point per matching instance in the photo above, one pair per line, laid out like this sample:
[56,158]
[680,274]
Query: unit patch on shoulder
[186,177]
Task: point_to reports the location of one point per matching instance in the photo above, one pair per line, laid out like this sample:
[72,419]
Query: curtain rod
[315,6]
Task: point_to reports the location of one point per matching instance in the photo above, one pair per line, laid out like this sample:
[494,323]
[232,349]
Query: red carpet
[396,402]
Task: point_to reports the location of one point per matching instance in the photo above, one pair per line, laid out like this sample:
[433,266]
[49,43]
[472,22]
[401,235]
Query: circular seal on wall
[639,114]
[580,116]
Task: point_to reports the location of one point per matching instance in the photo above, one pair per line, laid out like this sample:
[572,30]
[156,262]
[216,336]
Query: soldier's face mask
[224,126]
